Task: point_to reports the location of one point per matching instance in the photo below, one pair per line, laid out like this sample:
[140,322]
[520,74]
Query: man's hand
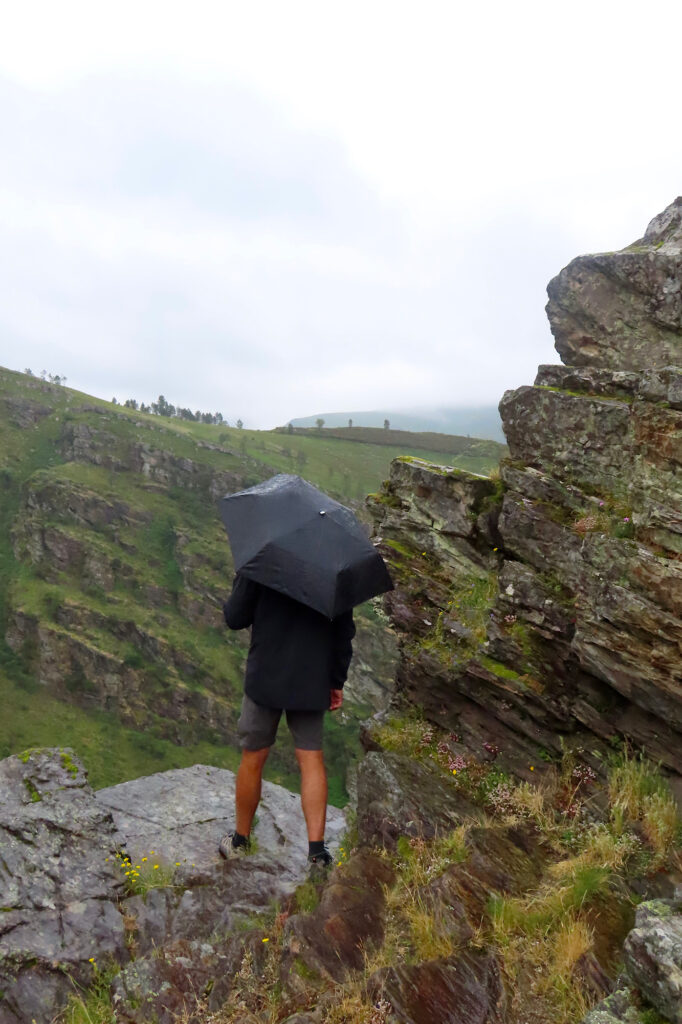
[336,700]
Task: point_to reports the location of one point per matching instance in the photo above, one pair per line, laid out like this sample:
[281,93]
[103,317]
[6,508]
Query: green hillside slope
[470,453]
[113,569]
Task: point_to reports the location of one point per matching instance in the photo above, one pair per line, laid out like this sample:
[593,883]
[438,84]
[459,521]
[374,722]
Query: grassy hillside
[468,453]
[113,569]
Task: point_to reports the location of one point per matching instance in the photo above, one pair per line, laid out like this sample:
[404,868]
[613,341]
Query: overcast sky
[283,208]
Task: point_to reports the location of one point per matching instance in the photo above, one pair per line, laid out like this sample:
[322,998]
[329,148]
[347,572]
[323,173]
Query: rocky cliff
[544,608]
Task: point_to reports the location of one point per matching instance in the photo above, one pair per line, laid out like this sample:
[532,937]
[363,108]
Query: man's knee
[309,759]
[255,759]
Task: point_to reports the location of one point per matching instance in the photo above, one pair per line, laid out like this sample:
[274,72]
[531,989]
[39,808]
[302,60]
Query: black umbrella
[287,535]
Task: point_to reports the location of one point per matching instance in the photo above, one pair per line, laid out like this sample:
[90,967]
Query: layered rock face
[546,607]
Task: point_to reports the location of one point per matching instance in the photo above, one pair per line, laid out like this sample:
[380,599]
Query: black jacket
[297,655]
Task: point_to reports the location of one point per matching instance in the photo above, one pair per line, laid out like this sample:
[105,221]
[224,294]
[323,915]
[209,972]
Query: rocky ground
[118,876]
[458,896]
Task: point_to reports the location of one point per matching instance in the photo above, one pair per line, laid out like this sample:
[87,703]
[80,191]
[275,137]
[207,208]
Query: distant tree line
[53,378]
[161,407]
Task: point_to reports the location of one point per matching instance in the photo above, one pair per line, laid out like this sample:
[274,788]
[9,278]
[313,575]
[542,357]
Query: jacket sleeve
[344,631]
[241,604]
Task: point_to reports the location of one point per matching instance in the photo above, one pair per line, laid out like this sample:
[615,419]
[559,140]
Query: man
[298,662]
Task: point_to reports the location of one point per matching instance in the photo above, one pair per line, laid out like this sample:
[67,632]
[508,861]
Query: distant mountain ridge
[478,421]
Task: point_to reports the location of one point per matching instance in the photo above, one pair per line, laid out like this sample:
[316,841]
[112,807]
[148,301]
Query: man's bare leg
[313,792]
[248,788]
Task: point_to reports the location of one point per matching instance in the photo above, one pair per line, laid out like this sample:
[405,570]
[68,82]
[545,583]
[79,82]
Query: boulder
[182,814]
[623,309]
[651,985]
[183,981]
[618,1008]
[24,413]
[653,956]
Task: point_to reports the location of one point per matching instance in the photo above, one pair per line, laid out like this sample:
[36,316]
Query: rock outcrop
[70,905]
[653,969]
[546,607]
[59,884]
[623,310]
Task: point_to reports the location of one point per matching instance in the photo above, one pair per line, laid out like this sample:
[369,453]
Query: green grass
[111,752]
[92,1006]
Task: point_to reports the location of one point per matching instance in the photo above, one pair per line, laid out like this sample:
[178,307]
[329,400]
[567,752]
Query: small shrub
[134,658]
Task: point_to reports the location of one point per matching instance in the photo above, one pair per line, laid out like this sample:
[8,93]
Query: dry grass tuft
[661,826]
[354,1009]
[638,793]
[572,940]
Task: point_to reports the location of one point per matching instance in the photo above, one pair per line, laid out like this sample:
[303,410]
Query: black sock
[315,848]
[239,840]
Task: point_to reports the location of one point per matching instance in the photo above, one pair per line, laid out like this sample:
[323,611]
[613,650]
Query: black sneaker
[227,850]
[321,860]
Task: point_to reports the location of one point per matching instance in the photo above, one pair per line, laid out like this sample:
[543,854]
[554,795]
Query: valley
[113,568]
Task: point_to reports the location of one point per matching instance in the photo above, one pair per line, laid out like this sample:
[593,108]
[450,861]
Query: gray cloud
[165,237]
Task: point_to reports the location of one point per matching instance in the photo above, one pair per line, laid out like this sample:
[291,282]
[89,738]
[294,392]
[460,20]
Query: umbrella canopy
[288,535]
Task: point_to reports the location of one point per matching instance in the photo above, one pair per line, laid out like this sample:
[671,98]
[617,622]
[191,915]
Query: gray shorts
[258,726]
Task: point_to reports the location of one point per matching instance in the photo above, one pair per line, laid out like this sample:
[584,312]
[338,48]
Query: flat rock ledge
[65,901]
